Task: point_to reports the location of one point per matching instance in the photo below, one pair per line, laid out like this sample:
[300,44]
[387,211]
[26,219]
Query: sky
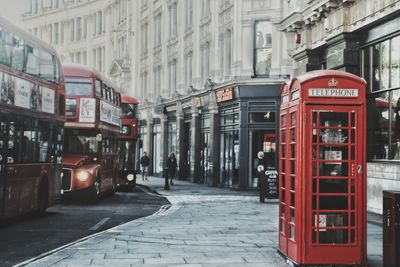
[12,10]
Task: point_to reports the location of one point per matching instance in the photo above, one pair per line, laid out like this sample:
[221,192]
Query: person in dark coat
[172,165]
[145,163]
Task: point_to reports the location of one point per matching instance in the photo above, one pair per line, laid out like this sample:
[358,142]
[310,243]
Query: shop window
[263,117]
[384,99]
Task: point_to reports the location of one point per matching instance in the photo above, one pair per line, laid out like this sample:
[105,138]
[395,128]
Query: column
[195,144]
[343,53]
[215,144]
[150,143]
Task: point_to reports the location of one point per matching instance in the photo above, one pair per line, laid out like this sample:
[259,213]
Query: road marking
[99,224]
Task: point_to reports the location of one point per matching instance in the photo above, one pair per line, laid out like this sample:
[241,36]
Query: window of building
[381,70]
[56,33]
[61,32]
[173,20]
[144,84]
[78,28]
[227,53]
[205,8]
[189,15]
[72,25]
[144,34]
[189,68]
[262,48]
[157,30]
[172,67]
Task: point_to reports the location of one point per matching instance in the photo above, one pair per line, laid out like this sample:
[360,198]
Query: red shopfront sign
[224,95]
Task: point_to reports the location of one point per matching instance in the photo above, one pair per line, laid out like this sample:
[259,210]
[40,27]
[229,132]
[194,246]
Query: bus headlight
[130,177]
[82,176]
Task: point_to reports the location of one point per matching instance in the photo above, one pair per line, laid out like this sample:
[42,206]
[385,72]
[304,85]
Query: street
[32,235]
[204,227]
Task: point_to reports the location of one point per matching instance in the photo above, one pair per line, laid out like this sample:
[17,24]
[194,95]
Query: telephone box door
[335,202]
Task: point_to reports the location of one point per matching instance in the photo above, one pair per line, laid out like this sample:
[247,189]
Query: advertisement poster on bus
[22,93]
[87,110]
[35,97]
[47,100]
[7,89]
[109,114]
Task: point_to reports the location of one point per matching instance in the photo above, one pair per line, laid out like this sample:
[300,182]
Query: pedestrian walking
[172,165]
[145,163]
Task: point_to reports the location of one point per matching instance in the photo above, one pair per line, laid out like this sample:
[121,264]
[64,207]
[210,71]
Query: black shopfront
[247,124]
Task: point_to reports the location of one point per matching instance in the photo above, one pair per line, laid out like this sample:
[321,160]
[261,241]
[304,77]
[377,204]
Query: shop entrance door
[334,182]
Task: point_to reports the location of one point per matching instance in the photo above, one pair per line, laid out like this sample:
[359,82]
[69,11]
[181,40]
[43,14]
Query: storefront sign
[332,92]
[109,114]
[272,183]
[87,110]
[224,95]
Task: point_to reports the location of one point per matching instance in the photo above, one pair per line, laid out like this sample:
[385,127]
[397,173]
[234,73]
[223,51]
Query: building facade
[206,73]
[208,83]
[93,33]
[360,37]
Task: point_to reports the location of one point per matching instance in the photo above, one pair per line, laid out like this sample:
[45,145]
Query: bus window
[32,60]
[28,145]
[81,144]
[98,88]
[4,52]
[44,133]
[46,66]
[84,89]
[17,58]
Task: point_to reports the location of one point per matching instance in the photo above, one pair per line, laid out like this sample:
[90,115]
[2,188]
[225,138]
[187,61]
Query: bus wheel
[43,196]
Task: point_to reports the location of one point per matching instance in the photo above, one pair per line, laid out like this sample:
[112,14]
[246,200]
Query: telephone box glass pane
[329,236]
[333,169]
[333,203]
[292,231]
[283,121]
[333,186]
[334,119]
[283,136]
[333,152]
[293,118]
[324,220]
[337,136]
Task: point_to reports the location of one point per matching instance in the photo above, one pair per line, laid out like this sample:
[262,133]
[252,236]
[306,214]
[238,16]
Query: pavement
[203,227]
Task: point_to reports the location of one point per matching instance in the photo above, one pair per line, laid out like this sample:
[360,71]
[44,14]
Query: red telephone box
[322,163]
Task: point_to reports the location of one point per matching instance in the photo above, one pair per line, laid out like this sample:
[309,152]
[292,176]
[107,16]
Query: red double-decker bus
[31,122]
[128,143]
[92,126]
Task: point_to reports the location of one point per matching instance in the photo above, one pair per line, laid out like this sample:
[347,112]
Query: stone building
[208,75]
[93,33]
[360,37]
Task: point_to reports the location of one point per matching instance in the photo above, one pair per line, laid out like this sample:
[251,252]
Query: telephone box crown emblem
[333,83]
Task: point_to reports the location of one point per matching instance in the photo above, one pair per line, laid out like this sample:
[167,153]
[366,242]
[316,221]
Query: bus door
[3,159]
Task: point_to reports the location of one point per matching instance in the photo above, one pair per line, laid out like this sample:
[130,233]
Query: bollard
[166,185]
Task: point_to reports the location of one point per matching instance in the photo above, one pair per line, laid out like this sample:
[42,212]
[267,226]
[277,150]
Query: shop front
[247,125]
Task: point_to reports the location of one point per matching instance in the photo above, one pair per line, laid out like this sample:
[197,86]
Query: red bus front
[91,130]
[128,143]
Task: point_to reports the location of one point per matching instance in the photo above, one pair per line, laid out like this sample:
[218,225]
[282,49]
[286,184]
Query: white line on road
[99,224]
